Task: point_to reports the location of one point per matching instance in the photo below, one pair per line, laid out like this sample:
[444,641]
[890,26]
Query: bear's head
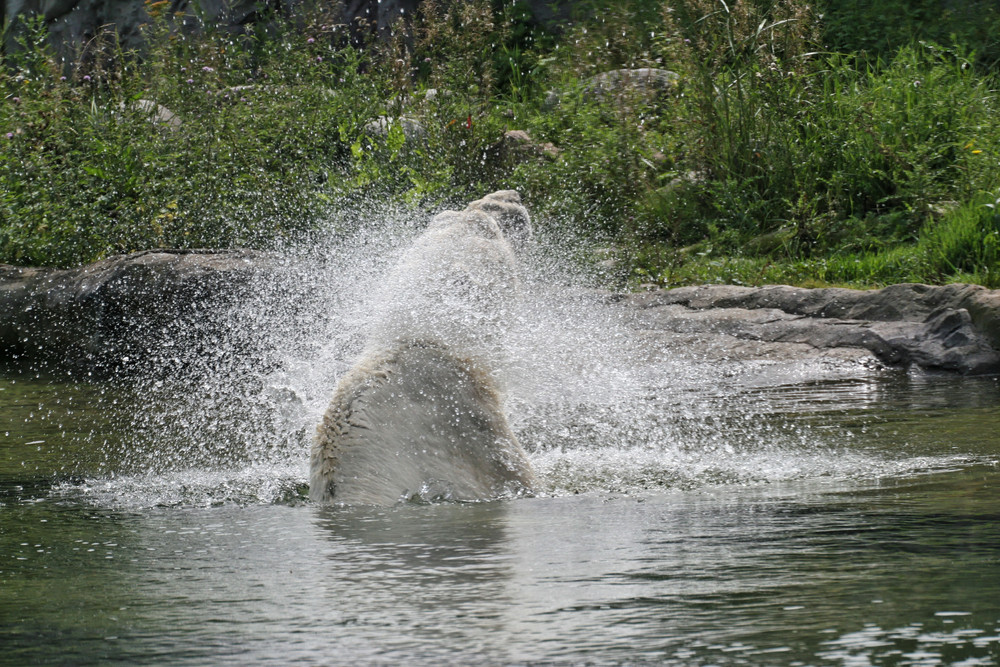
[510,215]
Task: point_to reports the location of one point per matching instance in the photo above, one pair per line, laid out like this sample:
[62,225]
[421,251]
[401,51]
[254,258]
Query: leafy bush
[797,154]
[207,141]
[878,30]
[772,156]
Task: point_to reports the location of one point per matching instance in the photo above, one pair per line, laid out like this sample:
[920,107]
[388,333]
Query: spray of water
[598,405]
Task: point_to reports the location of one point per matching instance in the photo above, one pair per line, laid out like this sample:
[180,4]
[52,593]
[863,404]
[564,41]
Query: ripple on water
[250,485]
[913,645]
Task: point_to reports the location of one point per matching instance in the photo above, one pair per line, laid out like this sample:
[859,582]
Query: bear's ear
[512,218]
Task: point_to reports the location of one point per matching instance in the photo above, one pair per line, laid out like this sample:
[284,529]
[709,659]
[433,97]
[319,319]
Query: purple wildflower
[206,68]
[16,100]
[86,78]
[319,59]
[310,41]
[10,135]
[190,80]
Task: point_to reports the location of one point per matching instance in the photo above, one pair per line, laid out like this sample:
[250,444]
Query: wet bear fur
[421,415]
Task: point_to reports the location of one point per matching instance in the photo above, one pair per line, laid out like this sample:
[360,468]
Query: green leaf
[395,139]
[96,171]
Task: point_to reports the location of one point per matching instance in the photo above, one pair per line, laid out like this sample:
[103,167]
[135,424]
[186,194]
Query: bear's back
[417,422]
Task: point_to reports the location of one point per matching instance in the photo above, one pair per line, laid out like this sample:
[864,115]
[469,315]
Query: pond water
[693,510]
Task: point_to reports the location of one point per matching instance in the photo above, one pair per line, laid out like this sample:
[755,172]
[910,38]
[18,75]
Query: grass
[776,157]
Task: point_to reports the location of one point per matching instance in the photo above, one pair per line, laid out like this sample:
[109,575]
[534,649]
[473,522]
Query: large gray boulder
[120,311]
[73,24]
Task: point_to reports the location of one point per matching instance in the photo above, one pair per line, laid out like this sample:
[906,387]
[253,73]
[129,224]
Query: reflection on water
[825,563]
[899,574]
[692,511]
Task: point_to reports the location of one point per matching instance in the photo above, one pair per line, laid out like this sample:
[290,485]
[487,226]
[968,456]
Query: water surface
[691,511]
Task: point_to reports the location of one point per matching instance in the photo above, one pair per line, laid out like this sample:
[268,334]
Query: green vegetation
[794,146]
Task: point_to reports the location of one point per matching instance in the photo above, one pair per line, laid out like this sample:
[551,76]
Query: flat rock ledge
[950,328]
[130,309]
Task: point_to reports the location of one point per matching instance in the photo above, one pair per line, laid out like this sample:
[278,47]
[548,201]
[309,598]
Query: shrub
[87,170]
[771,157]
[877,31]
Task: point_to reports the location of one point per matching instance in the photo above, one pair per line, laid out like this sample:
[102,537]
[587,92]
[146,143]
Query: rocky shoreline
[114,313]
[948,328]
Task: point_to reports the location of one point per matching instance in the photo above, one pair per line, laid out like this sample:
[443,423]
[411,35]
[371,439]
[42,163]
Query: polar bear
[420,415]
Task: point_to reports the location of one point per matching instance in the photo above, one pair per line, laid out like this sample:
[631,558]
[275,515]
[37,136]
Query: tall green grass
[879,29]
[798,153]
[773,158]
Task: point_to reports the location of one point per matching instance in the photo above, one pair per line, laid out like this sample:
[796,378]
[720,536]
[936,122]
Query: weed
[770,156]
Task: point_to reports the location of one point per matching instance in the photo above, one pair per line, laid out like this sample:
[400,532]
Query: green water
[49,429]
[867,533]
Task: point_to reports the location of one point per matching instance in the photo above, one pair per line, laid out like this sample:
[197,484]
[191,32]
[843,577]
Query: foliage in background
[877,30]
[90,166]
[780,154]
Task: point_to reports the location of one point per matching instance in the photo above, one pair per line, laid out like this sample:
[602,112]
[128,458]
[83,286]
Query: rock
[647,81]
[551,100]
[114,313]
[73,24]
[518,144]
[952,327]
[376,16]
[379,128]
[984,309]
[157,113]
[380,15]
[433,94]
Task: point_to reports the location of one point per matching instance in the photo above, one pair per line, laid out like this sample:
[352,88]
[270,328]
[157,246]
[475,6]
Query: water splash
[599,405]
